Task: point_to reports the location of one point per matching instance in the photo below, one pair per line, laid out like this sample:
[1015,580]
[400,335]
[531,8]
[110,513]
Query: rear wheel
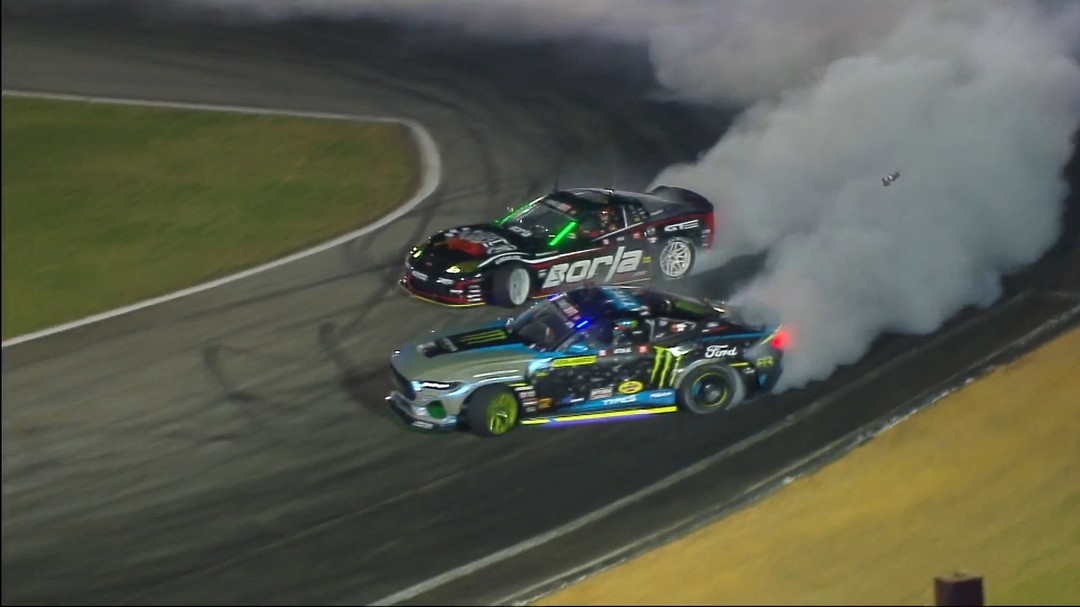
[511,285]
[710,389]
[492,411]
[675,259]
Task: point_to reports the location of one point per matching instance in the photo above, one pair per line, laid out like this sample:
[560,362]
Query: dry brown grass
[986,481]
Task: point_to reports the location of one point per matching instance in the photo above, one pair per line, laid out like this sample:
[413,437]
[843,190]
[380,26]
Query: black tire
[496,402]
[675,258]
[710,389]
[507,291]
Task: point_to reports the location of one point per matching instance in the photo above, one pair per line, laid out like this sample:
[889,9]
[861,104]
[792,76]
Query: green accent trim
[513,213]
[562,234]
[663,367]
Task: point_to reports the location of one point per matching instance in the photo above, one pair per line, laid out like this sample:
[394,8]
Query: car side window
[603,221]
[636,213]
[596,336]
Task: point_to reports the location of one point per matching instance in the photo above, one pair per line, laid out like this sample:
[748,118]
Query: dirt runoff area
[985,481]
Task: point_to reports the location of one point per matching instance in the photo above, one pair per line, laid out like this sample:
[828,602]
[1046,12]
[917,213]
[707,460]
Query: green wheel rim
[502,413]
[710,390]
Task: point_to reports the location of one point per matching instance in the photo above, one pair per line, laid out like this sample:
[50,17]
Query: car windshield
[543,215]
[544,325]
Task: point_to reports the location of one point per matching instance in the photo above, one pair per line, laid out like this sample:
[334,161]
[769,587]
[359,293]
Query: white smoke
[973,101]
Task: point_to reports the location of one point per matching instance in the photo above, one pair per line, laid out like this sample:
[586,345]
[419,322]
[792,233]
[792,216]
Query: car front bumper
[419,416]
[460,293]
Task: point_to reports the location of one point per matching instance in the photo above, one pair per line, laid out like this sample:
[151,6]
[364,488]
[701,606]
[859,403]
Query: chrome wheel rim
[675,259]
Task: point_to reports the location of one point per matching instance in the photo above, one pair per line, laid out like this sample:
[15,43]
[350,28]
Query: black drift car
[562,240]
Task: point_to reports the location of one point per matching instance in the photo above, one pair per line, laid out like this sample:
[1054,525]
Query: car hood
[461,354]
[480,241]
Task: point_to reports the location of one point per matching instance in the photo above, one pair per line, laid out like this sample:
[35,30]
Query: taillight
[710,230]
[782,339]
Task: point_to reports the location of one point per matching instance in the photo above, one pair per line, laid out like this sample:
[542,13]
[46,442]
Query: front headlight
[439,385]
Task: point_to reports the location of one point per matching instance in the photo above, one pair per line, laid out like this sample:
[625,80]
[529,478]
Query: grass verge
[106,205]
[985,481]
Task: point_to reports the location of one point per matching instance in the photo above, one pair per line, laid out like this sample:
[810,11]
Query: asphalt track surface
[233,446]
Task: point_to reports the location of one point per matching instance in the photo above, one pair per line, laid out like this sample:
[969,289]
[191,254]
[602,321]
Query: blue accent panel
[647,398]
[513,347]
[725,336]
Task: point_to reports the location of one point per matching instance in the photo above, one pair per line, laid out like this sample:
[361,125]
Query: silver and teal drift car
[594,353]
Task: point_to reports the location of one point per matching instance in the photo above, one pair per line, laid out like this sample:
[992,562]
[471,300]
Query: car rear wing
[682,196]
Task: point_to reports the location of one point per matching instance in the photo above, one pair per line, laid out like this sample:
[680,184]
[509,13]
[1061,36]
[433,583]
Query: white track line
[431,175]
[692,470]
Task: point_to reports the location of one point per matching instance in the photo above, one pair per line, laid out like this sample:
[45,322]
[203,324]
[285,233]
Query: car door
[576,369]
[628,245]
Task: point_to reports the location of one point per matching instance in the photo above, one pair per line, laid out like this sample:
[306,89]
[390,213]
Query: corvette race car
[592,353]
[562,240]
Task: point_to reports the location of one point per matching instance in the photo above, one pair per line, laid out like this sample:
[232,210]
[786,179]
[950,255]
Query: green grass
[106,205]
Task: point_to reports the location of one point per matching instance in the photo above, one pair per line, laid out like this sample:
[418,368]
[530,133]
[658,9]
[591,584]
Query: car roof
[596,198]
[620,300]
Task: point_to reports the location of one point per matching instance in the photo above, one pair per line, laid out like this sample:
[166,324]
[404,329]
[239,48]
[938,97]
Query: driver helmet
[607,219]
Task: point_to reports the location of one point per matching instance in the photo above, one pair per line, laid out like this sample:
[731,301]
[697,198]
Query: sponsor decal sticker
[600,393]
[620,400]
[720,351]
[621,262]
[482,337]
[631,387]
[574,361]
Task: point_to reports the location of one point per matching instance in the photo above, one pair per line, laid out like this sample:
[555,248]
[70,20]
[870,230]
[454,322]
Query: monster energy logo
[482,337]
[664,367]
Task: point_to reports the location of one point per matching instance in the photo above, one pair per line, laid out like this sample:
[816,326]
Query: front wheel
[710,389]
[675,259]
[511,285]
[492,411]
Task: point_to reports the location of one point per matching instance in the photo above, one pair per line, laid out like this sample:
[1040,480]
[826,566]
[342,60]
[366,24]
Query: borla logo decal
[623,261]
[631,387]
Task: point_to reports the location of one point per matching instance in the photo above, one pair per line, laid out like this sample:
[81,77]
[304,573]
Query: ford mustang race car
[562,240]
[595,352]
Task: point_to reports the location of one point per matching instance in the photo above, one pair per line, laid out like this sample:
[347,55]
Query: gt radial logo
[570,272]
[664,366]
